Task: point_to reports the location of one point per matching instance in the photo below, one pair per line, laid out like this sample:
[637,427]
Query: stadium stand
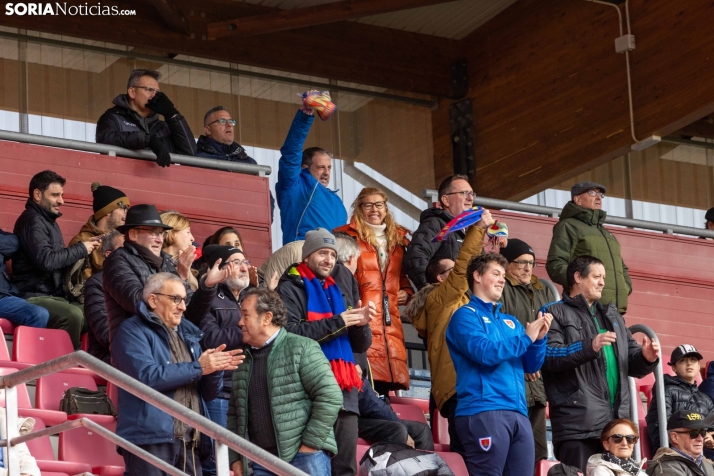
[41,449]
[50,390]
[25,407]
[104,459]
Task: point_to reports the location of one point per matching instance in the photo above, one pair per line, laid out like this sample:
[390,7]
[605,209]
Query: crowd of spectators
[301,354]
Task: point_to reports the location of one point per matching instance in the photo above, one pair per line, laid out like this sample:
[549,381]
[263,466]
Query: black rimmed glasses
[370,205]
[175,298]
[463,193]
[223,121]
[148,89]
[523,263]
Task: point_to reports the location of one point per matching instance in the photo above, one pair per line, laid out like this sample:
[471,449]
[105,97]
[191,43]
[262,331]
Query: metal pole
[222,462]
[11,430]
[553,289]
[635,402]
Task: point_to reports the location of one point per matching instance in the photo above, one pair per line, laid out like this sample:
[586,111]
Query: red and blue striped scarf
[325,301]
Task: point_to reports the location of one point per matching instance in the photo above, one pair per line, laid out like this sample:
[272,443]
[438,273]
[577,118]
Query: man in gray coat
[685,456]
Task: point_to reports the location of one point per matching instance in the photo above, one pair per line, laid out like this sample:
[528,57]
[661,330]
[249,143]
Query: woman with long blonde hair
[382,243]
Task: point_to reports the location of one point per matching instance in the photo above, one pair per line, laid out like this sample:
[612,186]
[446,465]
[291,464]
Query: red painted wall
[210,199]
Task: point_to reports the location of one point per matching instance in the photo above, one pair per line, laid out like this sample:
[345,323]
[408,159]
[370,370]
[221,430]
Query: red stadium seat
[409,412]
[85,446]
[361,450]
[50,389]
[5,358]
[440,432]
[113,393]
[41,449]
[30,346]
[544,465]
[455,462]
[422,403]
[6,326]
[85,342]
[645,385]
[645,445]
[25,406]
[52,473]
[704,370]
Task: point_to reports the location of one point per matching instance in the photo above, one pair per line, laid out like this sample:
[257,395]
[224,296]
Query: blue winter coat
[305,204]
[491,352]
[140,349]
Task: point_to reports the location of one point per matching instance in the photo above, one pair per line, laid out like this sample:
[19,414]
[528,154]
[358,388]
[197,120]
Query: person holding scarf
[318,309]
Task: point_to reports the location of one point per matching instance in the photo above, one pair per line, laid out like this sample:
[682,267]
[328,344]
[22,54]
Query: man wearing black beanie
[523,295]
[110,206]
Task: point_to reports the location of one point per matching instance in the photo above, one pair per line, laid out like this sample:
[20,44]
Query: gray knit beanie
[317,240]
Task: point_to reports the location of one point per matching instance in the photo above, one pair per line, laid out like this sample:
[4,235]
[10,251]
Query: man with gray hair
[347,250]
[294,401]
[133,122]
[161,349]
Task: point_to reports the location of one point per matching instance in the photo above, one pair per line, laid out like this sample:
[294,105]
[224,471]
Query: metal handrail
[658,388]
[222,436]
[252,169]
[549,284]
[667,228]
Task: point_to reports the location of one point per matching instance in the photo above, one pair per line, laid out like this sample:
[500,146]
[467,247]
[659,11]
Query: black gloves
[157,147]
[161,104]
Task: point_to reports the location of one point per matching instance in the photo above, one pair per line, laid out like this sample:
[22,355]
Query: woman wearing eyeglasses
[618,438]
[382,280]
[179,242]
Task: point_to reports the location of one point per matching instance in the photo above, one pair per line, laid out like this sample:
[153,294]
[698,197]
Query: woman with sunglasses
[618,438]
[382,280]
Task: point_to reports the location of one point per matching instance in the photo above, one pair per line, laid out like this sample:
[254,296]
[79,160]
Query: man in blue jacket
[303,177]
[491,351]
[161,349]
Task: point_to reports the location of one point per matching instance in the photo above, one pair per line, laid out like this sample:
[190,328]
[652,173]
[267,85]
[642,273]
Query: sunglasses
[617,438]
[693,434]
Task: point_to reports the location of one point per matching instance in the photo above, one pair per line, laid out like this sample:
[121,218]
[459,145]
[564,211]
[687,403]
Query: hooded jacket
[388,354]
[421,250]
[123,127]
[491,352]
[579,232]
[439,305]
[668,462]
[141,350]
[37,267]
[574,374]
[96,258]
[305,204]
[678,395]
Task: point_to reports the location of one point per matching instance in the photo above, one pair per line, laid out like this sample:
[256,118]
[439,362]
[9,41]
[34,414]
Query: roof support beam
[172,15]
[281,20]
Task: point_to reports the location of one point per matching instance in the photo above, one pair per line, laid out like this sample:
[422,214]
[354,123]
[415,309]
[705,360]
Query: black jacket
[123,127]
[678,395]
[292,290]
[125,274]
[8,246]
[574,374]
[421,250]
[95,312]
[220,326]
[37,267]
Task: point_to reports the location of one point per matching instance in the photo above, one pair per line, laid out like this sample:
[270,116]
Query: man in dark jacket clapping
[133,122]
[589,356]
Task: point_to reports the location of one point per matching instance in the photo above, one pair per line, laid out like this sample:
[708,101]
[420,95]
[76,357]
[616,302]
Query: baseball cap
[690,420]
[682,351]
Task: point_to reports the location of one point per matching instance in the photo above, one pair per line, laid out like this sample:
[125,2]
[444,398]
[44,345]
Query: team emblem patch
[510,323]
[485,443]
[486,319]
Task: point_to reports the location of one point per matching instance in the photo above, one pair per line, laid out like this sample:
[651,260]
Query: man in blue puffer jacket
[161,349]
[491,351]
[301,190]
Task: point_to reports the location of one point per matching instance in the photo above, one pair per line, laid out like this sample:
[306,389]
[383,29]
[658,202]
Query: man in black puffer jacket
[680,391]
[455,197]
[38,265]
[589,356]
[133,122]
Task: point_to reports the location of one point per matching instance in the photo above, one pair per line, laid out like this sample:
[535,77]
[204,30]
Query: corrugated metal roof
[452,20]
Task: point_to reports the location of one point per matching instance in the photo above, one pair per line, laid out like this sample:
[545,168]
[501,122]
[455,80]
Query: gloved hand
[161,104]
[157,147]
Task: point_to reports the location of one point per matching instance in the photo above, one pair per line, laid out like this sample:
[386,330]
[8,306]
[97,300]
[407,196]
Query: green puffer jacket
[303,391]
[580,232]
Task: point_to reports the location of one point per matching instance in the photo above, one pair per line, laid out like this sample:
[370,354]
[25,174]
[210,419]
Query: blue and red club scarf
[325,301]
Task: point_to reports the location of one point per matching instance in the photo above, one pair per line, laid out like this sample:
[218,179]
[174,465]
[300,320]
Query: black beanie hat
[213,252]
[516,248]
[106,200]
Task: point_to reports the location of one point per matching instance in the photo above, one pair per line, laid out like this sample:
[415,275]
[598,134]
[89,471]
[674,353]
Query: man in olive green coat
[580,232]
[523,296]
[294,397]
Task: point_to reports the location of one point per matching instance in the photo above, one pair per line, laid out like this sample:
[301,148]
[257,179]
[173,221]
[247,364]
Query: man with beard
[220,324]
[110,206]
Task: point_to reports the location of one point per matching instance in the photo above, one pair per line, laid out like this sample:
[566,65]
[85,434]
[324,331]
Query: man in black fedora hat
[127,269]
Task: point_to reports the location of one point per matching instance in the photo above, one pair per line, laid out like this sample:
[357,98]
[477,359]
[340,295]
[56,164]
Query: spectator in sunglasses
[618,438]
[685,456]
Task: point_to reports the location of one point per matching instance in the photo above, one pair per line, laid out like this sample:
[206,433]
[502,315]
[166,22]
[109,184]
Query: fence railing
[251,169]
[223,438]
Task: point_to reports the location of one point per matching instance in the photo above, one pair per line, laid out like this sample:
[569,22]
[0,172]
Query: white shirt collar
[267,342]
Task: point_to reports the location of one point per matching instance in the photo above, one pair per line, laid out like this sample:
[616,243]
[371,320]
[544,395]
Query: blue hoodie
[491,352]
[305,204]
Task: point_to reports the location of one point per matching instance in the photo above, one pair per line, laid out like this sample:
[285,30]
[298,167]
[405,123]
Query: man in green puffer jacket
[580,232]
[285,398]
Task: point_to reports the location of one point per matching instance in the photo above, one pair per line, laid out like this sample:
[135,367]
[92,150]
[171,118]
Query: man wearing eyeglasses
[579,232]
[523,296]
[218,142]
[133,122]
[455,196]
[684,457]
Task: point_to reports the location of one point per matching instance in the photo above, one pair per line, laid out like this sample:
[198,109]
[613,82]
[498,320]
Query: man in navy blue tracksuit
[491,351]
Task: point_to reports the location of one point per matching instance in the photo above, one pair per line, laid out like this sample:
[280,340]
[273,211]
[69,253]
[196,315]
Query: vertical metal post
[222,464]
[11,431]
[635,404]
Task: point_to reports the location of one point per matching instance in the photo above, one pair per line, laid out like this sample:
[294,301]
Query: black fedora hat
[142,215]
